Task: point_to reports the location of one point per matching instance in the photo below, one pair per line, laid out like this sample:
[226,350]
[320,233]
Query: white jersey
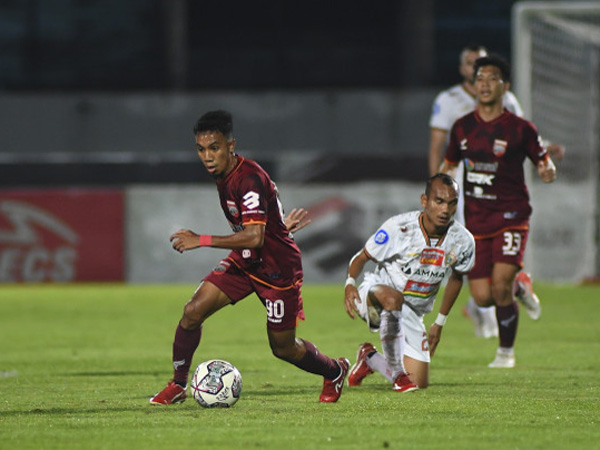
[451,104]
[408,260]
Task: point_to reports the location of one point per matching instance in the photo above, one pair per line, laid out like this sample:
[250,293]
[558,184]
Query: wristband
[441,319]
[350,281]
[205,240]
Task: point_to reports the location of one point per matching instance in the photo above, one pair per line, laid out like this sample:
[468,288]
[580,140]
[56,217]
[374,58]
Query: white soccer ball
[216,383]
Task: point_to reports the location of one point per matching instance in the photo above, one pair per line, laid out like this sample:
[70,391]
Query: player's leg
[479,276]
[391,333]
[523,290]
[508,254]
[223,286]
[507,313]
[480,307]
[416,353]
[207,299]
[282,314]
[418,370]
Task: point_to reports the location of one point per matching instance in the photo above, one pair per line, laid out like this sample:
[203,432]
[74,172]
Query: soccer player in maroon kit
[264,259]
[493,144]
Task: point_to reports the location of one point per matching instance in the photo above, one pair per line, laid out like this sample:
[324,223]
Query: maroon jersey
[248,196]
[493,153]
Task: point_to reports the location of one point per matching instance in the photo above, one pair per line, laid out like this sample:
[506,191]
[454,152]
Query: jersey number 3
[251,200]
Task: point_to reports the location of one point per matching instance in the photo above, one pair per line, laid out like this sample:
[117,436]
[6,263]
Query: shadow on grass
[115,373]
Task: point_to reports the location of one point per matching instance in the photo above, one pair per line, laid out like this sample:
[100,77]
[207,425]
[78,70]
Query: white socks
[390,364]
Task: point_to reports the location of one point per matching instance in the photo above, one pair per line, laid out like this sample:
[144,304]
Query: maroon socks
[508,319]
[184,346]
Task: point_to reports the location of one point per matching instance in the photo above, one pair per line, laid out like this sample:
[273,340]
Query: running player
[493,144]
[264,260]
[413,252]
[448,107]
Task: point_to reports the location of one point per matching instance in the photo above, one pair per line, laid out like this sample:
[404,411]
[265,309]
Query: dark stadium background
[112,47]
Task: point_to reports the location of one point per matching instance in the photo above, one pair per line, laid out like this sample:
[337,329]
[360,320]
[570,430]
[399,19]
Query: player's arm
[357,264]
[437,141]
[252,236]
[451,292]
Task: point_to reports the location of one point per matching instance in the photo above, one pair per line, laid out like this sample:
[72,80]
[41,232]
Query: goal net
[556,54]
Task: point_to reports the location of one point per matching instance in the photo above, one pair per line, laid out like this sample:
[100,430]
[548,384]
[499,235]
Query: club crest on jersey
[432,257]
[499,147]
[381,237]
[451,258]
[232,208]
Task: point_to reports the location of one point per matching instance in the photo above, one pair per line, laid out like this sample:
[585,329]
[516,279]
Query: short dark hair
[471,48]
[496,61]
[444,178]
[219,120]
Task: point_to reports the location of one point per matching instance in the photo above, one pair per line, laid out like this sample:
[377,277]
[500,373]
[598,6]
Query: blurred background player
[264,260]
[413,252]
[448,107]
[493,144]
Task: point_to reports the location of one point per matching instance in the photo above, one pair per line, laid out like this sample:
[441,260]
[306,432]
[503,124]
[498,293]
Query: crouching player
[412,252]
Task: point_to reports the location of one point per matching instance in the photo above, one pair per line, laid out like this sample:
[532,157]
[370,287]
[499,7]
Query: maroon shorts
[506,247]
[283,305]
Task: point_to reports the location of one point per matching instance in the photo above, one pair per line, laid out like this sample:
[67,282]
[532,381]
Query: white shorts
[417,346]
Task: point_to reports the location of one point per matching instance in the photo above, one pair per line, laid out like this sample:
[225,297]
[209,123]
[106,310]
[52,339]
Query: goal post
[556,66]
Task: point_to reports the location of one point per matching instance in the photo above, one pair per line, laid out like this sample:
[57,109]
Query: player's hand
[350,294]
[296,219]
[546,170]
[185,240]
[556,151]
[435,333]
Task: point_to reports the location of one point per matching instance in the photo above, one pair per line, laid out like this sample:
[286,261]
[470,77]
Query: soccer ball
[216,383]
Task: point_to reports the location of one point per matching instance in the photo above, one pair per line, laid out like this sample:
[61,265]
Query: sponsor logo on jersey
[463,144]
[469,165]
[499,147]
[381,237]
[510,215]
[232,208]
[485,166]
[478,192]
[419,289]
[430,273]
[432,257]
[221,267]
[480,178]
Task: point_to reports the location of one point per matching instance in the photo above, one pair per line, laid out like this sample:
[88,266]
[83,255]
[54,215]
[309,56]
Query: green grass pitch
[79,362]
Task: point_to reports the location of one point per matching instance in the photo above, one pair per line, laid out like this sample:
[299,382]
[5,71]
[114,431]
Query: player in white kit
[412,252]
[449,106]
